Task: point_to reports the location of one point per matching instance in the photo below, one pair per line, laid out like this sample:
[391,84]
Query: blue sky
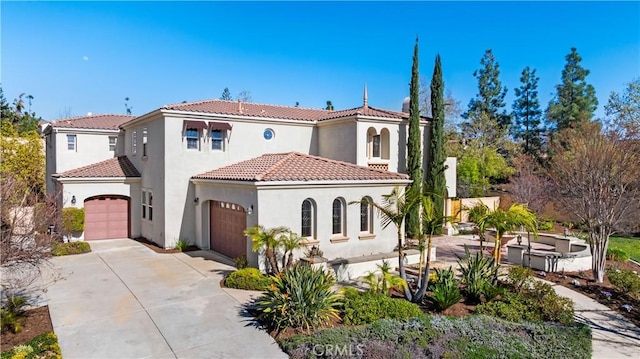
[89,56]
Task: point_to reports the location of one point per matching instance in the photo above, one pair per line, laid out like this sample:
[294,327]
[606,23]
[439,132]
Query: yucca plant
[445,290]
[300,297]
[478,271]
[384,282]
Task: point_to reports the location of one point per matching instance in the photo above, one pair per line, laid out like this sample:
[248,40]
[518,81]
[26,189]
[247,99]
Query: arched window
[384,144]
[373,143]
[308,218]
[366,215]
[338,216]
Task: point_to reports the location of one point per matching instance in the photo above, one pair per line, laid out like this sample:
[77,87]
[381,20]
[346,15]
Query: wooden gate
[456,210]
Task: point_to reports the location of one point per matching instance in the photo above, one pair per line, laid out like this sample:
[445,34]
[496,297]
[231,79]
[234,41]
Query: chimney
[239,105]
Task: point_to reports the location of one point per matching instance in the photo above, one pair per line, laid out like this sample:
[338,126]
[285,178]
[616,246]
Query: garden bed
[36,321]
[595,290]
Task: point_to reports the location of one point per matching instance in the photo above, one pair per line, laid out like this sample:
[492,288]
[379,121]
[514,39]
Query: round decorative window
[268,134]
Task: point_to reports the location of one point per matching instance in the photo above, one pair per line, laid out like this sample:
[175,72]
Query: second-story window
[144,141]
[193,138]
[112,143]
[71,142]
[375,143]
[217,140]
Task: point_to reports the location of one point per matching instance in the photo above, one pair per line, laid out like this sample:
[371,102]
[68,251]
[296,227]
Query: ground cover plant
[43,346]
[64,249]
[367,307]
[443,337]
[248,279]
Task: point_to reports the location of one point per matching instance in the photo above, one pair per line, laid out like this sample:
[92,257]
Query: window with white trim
[193,138]
[134,142]
[113,140]
[308,218]
[71,142]
[338,217]
[366,215]
[144,141]
[147,204]
[217,140]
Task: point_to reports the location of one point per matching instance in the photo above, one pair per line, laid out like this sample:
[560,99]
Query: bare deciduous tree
[528,185]
[596,178]
[25,245]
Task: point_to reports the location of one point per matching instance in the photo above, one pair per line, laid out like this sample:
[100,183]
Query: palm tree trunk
[403,274]
[425,276]
[290,260]
[272,260]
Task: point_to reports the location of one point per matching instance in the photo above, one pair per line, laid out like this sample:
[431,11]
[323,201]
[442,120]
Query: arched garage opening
[227,222]
[106,217]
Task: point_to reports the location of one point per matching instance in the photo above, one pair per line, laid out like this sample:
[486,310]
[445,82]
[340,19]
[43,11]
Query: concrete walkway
[125,301]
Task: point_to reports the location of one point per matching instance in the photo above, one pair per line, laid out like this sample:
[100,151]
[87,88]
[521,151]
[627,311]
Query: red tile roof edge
[128,169]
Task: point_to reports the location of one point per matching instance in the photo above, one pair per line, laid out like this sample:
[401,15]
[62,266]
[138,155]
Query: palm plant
[384,282]
[517,216]
[289,242]
[475,214]
[267,239]
[394,209]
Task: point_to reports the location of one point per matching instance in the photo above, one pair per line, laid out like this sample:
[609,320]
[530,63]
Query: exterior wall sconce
[196,200]
[73,200]
[519,239]
[250,210]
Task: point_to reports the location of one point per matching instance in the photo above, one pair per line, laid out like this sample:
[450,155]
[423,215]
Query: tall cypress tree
[575,101]
[527,114]
[414,152]
[489,103]
[435,181]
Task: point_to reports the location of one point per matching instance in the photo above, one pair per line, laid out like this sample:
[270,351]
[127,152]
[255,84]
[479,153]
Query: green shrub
[300,297]
[625,280]
[617,254]
[240,262]
[72,219]
[545,225]
[181,244]
[64,249]
[539,303]
[445,290]
[248,279]
[363,308]
[519,277]
[477,272]
[43,346]
[385,281]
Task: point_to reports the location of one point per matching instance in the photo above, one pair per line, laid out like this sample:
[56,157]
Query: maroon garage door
[106,217]
[227,222]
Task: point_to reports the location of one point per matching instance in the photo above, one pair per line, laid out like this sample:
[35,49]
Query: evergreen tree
[575,100]
[527,114]
[435,181]
[329,106]
[226,94]
[414,152]
[489,103]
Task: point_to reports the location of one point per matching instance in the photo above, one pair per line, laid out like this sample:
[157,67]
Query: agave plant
[445,290]
[479,273]
[300,297]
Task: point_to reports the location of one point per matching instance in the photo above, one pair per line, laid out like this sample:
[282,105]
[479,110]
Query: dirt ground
[36,322]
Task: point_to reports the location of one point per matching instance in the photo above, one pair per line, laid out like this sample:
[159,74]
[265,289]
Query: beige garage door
[227,222]
[106,217]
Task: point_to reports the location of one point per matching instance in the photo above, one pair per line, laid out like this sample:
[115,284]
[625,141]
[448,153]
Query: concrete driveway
[125,301]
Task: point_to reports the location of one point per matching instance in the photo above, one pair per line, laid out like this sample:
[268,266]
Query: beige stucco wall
[491,202]
[83,189]
[337,140]
[91,147]
[281,206]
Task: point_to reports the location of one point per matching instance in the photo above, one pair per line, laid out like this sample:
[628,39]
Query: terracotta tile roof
[294,166]
[97,122]
[113,167]
[273,111]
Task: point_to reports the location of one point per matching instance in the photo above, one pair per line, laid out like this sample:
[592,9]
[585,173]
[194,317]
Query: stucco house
[205,171]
